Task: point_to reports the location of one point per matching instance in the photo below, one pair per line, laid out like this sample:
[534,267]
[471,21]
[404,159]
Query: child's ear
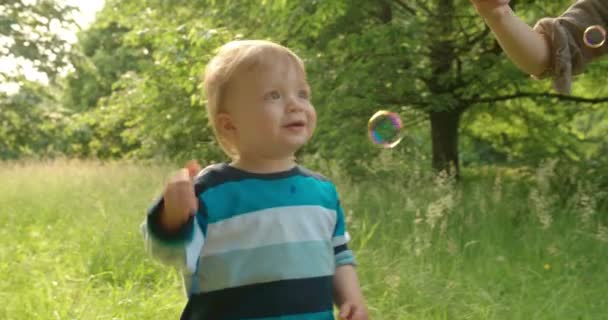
[225,124]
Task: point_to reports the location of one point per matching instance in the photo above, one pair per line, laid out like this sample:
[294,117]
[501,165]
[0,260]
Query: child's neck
[264,165]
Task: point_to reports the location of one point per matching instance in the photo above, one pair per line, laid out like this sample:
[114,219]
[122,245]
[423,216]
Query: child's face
[269,110]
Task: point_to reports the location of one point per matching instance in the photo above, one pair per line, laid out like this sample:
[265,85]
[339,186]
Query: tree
[100,60]
[432,56]
[30,122]
[433,61]
[140,64]
[29,33]
[435,56]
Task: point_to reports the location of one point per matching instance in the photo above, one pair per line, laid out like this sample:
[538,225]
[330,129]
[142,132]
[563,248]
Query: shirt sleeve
[569,54]
[343,255]
[180,248]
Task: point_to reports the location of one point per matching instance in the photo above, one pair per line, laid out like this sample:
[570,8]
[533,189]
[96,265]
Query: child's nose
[293,105]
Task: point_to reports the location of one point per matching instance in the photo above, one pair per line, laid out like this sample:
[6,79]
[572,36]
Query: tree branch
[386,13]
[405,7]
[482,35]
[533,95]
[424,7]
[391,101]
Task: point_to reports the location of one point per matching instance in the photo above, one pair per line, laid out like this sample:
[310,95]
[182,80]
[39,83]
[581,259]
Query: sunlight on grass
[495,246]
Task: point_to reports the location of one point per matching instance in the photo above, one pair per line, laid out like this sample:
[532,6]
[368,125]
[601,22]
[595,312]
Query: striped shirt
[260,246]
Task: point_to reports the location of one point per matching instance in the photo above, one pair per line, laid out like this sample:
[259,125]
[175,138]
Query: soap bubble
[384,129]
[594,36]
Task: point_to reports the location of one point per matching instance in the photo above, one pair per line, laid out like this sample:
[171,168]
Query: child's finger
[178,176]
[193,168]
[359,315]
[345,311]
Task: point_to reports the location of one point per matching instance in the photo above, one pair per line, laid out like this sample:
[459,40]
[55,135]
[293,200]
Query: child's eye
[273,95]
[303,94]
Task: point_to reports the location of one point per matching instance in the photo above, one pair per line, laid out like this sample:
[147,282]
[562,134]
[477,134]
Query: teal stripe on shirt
[340,229]
[345,257]
[239,197]
[297,260]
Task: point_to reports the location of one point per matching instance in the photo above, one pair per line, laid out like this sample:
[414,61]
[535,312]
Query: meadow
[499,244]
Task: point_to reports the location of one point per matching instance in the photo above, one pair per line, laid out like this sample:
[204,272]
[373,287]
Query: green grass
[494,247]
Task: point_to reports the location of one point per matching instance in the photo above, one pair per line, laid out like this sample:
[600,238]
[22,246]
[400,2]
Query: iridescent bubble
[384,129]
[594,36]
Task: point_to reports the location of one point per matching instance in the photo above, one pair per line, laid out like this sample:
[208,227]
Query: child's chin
[299,143]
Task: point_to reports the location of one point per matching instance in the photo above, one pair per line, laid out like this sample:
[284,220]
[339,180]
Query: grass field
[493,247]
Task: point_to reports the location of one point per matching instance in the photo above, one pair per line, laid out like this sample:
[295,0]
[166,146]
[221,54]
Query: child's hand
[353,311]
[489,8]
[179,197]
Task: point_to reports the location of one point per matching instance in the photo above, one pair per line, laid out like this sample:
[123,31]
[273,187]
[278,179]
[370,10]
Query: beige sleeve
[569,54]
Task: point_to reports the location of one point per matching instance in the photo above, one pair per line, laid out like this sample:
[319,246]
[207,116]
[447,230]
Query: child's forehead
[267,71]
[275,62]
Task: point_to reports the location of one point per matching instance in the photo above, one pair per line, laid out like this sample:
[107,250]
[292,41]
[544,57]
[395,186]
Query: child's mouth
[295,124]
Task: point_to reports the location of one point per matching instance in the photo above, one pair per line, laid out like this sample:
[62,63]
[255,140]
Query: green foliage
[28,28]
[29,123]
[101,60]
[29,120]
[154,107]
[135,91]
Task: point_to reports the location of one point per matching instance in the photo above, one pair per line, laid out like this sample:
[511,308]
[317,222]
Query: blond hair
[230,58]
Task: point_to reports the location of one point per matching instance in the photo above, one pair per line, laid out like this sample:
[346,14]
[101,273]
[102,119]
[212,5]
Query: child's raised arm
[179,199]
[170,233]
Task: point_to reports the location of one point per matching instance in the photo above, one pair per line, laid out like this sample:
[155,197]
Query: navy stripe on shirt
[224,173]
[271,299]
[178,236]
[340,248]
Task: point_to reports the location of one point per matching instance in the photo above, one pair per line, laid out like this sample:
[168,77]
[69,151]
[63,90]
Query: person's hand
[180,200]
[490,8]
[353,311]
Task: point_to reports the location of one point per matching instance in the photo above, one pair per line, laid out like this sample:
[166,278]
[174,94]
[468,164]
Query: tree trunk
[444,138]
[444,121]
